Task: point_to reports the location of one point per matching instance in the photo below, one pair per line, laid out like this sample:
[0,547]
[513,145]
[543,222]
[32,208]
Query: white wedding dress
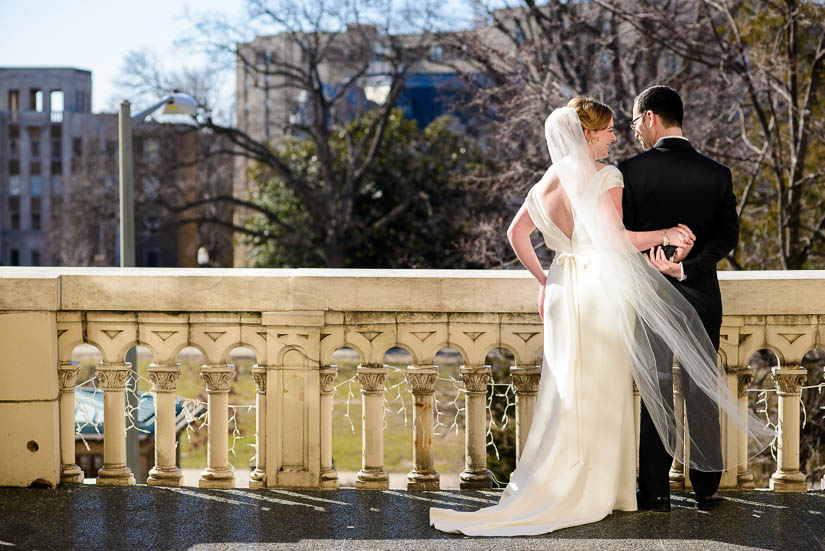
[579,460]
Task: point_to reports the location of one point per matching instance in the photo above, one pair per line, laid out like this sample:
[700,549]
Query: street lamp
[175,104]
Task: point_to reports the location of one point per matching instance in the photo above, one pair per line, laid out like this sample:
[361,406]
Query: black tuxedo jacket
[670,184]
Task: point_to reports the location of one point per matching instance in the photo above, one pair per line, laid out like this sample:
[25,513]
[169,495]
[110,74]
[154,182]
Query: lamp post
[175,104]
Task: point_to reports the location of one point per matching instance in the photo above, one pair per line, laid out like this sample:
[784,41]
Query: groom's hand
[656,258]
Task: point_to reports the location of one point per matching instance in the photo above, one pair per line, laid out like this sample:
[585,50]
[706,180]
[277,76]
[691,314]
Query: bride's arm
[644,240]
[519,236]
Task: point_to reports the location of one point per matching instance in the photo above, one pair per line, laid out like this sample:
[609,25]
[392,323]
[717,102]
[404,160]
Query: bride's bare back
[556,204]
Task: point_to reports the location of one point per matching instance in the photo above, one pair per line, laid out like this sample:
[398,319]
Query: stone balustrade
[294,321]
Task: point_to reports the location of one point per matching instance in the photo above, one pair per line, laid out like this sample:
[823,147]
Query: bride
[608,316]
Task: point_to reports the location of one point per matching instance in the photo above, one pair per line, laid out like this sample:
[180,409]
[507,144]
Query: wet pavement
[90,517]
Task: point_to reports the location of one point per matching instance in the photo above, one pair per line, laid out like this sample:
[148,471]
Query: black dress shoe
[708,502]
[657,504]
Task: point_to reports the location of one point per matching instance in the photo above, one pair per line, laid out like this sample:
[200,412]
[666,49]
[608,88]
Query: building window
[35,257]
[36,186]
[77,147]
[152,259]
[56,187]
[14,167]
[14,212]
[14,131]
[36,100]
[14,185]
[57,167]
[57,150]
[35,211]
[14,259]
[436,53]
[57,204]
[56,101]
[34,167]
[56,131]
[14,148]
[14,100]
[111,148]
[35,147]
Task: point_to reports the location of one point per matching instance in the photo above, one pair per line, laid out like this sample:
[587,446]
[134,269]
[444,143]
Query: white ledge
[279,290]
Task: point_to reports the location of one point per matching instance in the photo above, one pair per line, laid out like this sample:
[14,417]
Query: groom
[671,183]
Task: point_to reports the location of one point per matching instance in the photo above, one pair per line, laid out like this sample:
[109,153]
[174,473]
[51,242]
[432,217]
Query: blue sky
[97,34]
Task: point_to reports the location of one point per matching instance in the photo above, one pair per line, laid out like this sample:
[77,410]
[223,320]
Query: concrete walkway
[90,517]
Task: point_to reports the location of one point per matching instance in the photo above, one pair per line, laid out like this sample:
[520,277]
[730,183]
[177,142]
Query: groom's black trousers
[654,459]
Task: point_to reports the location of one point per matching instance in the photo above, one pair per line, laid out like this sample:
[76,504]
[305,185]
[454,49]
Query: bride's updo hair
[593,114]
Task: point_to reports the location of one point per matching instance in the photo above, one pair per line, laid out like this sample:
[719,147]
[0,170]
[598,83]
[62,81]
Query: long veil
[664,323]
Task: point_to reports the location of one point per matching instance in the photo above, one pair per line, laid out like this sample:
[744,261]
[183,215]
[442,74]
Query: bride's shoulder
[549,179]
[610,175]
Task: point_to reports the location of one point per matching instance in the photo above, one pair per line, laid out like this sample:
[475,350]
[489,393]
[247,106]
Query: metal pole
[127,260]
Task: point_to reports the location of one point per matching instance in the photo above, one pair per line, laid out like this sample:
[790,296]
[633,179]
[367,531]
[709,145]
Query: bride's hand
[681,253]
[680,236]
[541,301]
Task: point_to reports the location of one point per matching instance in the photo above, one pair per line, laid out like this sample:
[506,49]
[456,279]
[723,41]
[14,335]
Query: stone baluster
[218,472]
[787,477]
[257,479]
[637,422]
[70,473]
[164,382]
[423,476]
[744,478]
[329,477]
[526,385]
[475,473]
[372,475]
[113,377]
[677,468]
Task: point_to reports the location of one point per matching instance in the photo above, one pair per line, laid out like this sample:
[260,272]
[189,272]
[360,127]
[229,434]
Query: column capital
[372,378]
[789,380]
[113,376]
[164,377]
[744,378]
[217,378]
[422,378]
[328,375]
[525,379]
[259,376]
[67,371]
[476,378]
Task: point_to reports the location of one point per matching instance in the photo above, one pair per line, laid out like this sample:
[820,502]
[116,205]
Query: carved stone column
[677,468]
[729,434]
[526,385]
[372,475]
[218,472]
[257,479]
[787,477]
[423,476]
[164,382]
[475,473]
[744,478]
[70,473]
[329,476]
[113,377]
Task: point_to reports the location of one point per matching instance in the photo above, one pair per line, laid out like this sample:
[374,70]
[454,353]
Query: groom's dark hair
[664,101]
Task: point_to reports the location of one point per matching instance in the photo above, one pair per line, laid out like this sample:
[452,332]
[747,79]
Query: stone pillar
[70,473]
[423,476]
[329,476]
[164,382]
[787,477]
[372,475]
[113,377]
[729,435]
[744,478]
[257,479]
[218,472]
[526,385]
[475,473]
[677,468]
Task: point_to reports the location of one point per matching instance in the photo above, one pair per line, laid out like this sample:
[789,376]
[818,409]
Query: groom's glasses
[633,122]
